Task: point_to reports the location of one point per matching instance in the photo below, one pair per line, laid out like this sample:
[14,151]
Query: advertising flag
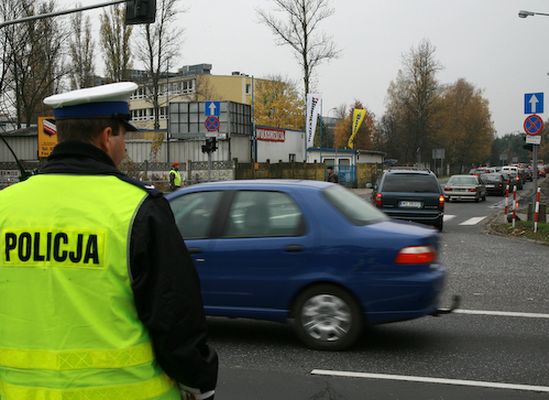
[358,117]
[314,102]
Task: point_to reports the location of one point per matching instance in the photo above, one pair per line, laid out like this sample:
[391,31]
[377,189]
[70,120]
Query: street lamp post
[524,14]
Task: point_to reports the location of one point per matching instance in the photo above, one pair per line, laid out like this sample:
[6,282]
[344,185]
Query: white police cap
[106,101]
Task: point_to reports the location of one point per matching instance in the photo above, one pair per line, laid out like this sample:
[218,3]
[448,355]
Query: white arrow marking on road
[212,108]
[533,102]
[460,382]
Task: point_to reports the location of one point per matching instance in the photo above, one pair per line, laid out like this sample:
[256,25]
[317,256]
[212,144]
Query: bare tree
[115,43]
[158,44]
[37,64]
[81,51]
[298,28]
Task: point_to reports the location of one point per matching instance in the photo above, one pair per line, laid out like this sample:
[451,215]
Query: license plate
[410,204]
[490,186]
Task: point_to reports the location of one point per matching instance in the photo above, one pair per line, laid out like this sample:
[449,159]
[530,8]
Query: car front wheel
[327,318]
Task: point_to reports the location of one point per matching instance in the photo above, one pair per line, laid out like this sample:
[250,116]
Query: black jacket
[165,284]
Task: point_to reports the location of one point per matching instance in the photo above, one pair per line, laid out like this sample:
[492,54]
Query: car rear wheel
[439,224]
[327,318]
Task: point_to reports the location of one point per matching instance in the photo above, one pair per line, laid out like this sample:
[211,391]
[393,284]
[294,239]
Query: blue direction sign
[533,103]
[212,108]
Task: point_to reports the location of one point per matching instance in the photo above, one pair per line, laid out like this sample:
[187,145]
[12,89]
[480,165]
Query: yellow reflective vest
[176,177]
[68,324]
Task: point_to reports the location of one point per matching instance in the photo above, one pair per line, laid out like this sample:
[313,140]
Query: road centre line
[502,313]
[422,379]
[472,221]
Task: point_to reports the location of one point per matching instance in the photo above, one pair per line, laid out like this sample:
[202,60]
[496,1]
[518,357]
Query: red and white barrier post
[536,212]
[515,204]
[506,203]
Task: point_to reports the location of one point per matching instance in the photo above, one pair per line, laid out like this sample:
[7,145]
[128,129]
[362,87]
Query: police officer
[99,295]
[175,177]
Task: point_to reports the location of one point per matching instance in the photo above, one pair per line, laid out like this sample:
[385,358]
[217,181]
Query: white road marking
[472,221]
[503,313]
[448,217]
[460,382]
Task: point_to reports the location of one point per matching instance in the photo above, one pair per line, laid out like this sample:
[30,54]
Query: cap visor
[129,126]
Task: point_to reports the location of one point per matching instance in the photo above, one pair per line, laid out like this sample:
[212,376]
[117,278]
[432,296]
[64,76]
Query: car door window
[261,213]
[194,213]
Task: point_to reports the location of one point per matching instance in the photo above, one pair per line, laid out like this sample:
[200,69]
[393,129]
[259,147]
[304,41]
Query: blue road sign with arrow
[212,108]
[533,103]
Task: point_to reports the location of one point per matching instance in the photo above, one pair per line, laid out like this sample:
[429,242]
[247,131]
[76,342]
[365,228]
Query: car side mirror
[369,185]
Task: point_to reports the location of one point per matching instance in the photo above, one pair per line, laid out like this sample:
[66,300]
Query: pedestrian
[100,299]
[332,176]
[175,177]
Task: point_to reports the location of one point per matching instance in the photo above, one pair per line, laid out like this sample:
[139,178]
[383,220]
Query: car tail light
[379,198]
[472,190]
[416,255]
[441,201]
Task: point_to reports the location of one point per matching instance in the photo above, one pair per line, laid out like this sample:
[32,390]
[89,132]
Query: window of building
[248,88]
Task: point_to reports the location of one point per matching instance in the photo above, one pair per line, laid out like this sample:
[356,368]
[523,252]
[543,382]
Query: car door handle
[294,248]
[194,250]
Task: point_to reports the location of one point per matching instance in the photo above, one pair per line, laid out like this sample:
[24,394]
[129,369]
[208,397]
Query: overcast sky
[483,41]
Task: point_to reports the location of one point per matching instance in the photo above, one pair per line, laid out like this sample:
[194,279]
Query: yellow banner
[47,136]
[358,117]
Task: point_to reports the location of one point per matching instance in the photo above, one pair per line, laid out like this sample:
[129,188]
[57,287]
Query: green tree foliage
[278,103]
[115,44]
[465,127]
[412,100]
[367,133]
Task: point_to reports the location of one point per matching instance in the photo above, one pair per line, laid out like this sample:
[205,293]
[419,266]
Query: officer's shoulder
[150,189]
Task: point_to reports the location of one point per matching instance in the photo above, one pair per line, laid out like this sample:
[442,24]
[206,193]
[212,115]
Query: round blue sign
[533,125]
[212,123]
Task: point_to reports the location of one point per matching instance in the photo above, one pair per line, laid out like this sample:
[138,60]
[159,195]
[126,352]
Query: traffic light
[210,146]
[140,12]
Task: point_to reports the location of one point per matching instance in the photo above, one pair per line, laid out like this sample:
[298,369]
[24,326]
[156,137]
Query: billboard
[194,120]
[47,136]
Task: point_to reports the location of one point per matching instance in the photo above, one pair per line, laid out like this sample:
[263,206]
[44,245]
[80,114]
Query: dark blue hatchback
[308,251]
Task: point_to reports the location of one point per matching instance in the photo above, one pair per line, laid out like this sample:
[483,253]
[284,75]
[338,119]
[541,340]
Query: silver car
[465,187]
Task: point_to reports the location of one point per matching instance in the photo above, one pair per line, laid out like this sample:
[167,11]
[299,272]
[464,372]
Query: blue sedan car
[310,252]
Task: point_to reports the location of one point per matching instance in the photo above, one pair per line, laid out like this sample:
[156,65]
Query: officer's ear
[102,140]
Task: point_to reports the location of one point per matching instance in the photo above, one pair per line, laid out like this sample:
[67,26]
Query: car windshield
[462,180]
[415,183]
[352,206]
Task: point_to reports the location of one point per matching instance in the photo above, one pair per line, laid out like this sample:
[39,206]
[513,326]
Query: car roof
[408,171]
[262,183]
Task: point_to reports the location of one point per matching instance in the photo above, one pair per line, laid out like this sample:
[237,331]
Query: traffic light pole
[64,12]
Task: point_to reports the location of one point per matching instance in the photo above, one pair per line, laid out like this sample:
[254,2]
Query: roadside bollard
[506,203]
[536,212]
[515,204]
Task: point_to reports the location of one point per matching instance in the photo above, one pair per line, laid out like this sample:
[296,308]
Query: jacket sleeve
[168,298]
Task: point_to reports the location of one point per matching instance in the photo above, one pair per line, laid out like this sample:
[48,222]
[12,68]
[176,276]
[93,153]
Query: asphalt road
[495,347]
